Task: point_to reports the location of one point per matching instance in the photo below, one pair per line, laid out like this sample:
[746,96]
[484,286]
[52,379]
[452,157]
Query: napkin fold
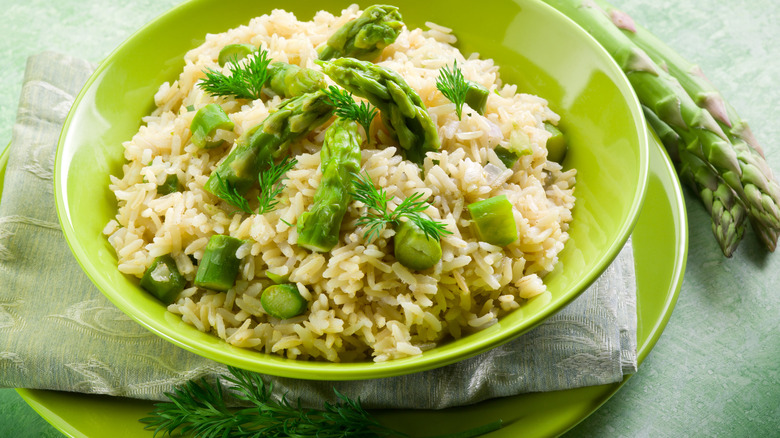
[57,331]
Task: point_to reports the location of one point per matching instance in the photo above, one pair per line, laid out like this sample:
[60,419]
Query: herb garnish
[271,185]
[453,86]
[199,409]
[376,199]
[347,108]
[245,82]
[229,194]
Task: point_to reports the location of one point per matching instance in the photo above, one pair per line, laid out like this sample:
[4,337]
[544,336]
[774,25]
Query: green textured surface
[714,371]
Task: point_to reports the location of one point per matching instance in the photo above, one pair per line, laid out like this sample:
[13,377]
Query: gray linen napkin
[57,331]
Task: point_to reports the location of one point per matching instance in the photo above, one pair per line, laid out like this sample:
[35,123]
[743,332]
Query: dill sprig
[245,81]
[347,108]
[272,184]
[453,86]
[229,194]
[377,215]
[199,409]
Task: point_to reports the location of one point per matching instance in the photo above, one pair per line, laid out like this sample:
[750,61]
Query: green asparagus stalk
[728,215]
[401,108]
[700,133]
[705,95]
[318,228]
[290,80]
[365,37]
[270,140]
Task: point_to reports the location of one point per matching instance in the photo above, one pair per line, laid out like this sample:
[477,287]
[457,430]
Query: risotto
[360,302]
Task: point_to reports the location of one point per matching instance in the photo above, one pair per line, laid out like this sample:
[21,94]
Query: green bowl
[535,46]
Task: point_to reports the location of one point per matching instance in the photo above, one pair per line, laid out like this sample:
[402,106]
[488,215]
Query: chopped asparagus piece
[276,278]
[476,97]
[413,248]
[170,185]
[519,145]
[163,280]
[318,228]
[495,220]
[556,144]
[234,53]
[283,301]
[206,122]
[365,37]
[219,267]
[509,158]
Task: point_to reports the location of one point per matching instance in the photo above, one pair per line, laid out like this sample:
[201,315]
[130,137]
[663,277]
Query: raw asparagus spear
[401,108]
[318,228]
[728,215]
[269,140]
[366,36]
[290,80]
[705,95]
[700,133]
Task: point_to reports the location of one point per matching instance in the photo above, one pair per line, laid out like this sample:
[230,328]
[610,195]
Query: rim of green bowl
[279,366]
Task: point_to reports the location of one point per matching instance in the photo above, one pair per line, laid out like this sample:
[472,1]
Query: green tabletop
[714,372]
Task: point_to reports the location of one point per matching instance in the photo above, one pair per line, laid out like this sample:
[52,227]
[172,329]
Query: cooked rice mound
[363,304]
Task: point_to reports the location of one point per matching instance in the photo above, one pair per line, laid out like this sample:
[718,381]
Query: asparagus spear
[318,228]
[290,80]
[366,36]
[402,110]
[728,215]
[269,140]
[705,95]
[700,133]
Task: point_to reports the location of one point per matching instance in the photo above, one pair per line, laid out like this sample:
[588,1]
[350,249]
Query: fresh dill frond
[245,81]
[377,214]
[272,184]
[229,194]
[199,409]
[453,86]
[347,108]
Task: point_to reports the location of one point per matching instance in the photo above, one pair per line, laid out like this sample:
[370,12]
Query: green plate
[535,46]
[660,246]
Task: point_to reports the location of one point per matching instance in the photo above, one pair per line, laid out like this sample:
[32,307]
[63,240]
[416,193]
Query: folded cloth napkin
[57,331]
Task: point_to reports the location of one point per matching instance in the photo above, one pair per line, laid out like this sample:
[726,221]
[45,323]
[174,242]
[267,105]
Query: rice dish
[362,304]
